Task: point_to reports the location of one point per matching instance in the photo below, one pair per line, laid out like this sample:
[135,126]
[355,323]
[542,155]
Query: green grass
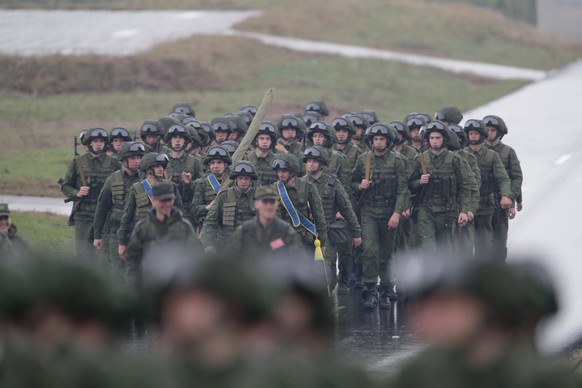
[444,29]
[138,4]
[46,232]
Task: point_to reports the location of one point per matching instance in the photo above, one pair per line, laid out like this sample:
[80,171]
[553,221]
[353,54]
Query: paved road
[36,32]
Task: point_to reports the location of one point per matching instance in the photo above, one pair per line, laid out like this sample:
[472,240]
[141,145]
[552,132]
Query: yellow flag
[318,253]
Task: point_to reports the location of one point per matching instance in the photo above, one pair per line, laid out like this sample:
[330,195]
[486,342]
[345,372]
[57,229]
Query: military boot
[369,299]
[384,299]
[358,285]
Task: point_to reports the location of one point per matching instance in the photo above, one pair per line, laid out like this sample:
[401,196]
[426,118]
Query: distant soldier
[231,208]
[184,108]
[414,124]
[494,184]
[360,125]
[206,188]
[345,131]
[318,106]
[292,130]
[118,136]
[300,202]
[83,182]
[164,225]
[338,211]
[385,197]
[10,242]
[151,134]
[195,129]
[443,188]
[262,156]
[222,129]
[449,115]
[238,125]
[497,129]
[111,203]
[138,201]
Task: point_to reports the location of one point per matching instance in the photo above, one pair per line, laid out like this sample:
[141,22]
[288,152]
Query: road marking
[125,33]
[563,159]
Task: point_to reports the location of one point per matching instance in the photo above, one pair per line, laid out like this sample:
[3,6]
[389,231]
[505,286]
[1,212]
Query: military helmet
[415,122]
[370,115]
[497,123]
[195,129]
[325,129]
[402,129]
[476,125]
[243,168]
[424,116]
[95,133]
[459,132]
[150,127]
[318,106]
[184,108]
[221,124]
[291,121]
[453,142]
[345,124]
[230,145]
[268,128]
[217,153]
[119,133]
[437,126]
[317,153]
[130,148]
[359,120]
[246,117]
[177,130]
[311,117]
[287,162]
[166,122]
[178,116]
[449,114]
[208,135]
[238,124]
[82,135]
[381,129]
[250,108]
[540,298]
[152,159]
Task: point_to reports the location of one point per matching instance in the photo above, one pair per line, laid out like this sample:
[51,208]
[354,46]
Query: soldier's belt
[438,200]
[378,200]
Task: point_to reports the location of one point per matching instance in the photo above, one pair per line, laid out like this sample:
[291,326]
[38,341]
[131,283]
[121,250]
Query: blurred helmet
[130,148]
[152,159]
[217,153]
[316,153]
[243,168]
[287,162]
[119,133]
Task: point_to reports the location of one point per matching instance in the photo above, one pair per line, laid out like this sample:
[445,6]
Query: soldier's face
[267,208]
[116,144]
[177,142]
[221,136]
[342,134]
[288,133]
[164,207]
[158,171]
[312,166]
[132,163]
[151,139]
[492,133]
[283,175]
[474,137]
[217,167]
[5,223]
[98,145]
[318,139]
[415,134]
[264,142]
[233,136]
[380,143]
[436,140]
[243,182]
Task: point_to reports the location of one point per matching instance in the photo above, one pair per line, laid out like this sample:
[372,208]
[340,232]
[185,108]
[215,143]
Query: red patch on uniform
[278,243]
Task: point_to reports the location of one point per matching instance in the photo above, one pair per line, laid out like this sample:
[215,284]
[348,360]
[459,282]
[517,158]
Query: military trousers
[84,240]
[483,236]
[500,229]
[465,241]
[405,236]
[115,266]
[436,227]
[378,246]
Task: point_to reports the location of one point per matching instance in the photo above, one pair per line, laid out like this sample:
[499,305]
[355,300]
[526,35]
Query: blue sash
[214,182]
[296,217]
[148,189]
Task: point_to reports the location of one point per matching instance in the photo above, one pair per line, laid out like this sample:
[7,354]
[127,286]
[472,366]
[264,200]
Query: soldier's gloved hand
[511,213]
[394,221]
[470,216]
[519,206]
[365,184]
[98,243]
[186,177]
[505,202]
[121,252]
[83,191]
[357,241]
[210,249]
[424,179]
[463,220]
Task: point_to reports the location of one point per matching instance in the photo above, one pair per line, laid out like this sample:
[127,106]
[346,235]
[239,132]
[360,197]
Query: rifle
[333,177]
[367,177]
[419,196]
[83,178]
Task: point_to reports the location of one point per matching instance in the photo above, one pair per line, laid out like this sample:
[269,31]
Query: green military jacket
[252,240]
[19,245]
[159,147]
[96,170]
[494,178]
[470,165]
[137,206]
[389,192]
[338,162]
[352,153]
[335,199]
[306,200]
[6,248]
[264,167]
[512,166]
[449,186]
[111,202]
[151,233]
[204,194]
[184,163]
[295,147]
[230,209]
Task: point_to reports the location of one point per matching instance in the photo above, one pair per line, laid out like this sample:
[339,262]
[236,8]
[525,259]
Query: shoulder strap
[213,182]
[147,188]
[81,170]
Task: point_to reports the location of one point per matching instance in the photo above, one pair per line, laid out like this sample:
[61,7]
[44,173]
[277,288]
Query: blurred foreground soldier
[118,136]
[151,134]
[111,203]
[83,182]
[164,225]
[380,178]
[300,201]
[10,241]
[497,129]
[494,184]
[343,228]
[231,208]
[138,200]
[292,130]
[265,234]
[472,314]
[443,188]
[262,156]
